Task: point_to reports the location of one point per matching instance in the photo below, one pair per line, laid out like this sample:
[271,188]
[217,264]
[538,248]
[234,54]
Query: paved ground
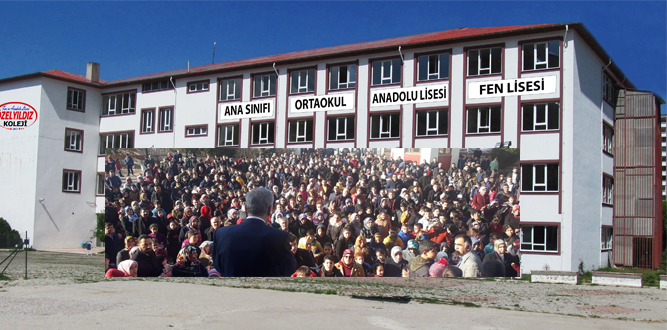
[161,305]
[68,290]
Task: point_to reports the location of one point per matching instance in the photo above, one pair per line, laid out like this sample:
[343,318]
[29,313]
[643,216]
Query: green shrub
[99,229]
[9,237]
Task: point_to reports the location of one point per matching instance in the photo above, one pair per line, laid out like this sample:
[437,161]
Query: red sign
[17,115]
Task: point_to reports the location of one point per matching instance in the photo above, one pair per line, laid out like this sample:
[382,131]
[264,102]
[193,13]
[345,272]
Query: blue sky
[135,38]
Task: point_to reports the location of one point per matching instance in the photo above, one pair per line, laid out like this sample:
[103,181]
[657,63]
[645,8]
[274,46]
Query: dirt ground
[644,307]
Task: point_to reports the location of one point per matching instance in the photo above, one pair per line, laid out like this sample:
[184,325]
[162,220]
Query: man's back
[253,249]
[471,265]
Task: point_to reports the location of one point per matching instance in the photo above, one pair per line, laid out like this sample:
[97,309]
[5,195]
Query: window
[265,85]
[156,86]
[387,72]
[71,181]
[608,139]
[484,120]
[539,238]
[198,86]
[607,190]
[147,121]
[300,130]
[230,89]
[116,140]
[302,81]
[100,184]
[76,99]
[343,77]
[608,89]
[385,126]
[228,135]
[542,177]
[166,119]
[340,128]
[196,130]
[73,139]
[607,238]
[540,117]
[263,133]
[540,56]
[433,67]
[118,104]
[485,61]
[432,122]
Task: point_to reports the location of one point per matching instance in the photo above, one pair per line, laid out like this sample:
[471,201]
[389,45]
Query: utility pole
[25,246]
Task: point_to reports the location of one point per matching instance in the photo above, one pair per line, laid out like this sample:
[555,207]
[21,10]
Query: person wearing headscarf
[500,253]
[188,264]
[127,268]
[393,267]
[369,229]
[193,224]
[206,251]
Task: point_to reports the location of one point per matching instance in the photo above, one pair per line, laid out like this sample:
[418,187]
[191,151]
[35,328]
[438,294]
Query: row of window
[165,120]
[544,238]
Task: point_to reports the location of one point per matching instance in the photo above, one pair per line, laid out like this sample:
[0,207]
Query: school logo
[17,115]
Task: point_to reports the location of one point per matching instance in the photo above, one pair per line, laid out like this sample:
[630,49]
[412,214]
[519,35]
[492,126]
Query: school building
[549,89]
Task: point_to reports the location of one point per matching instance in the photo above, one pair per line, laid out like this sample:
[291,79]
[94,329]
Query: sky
[130,39]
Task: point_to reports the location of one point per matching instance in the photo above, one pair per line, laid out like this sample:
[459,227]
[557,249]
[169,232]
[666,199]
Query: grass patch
[585,278]
[3,277]
[651,277]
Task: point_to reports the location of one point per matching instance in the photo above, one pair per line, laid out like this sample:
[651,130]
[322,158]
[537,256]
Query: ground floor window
[607,238]
[539,238]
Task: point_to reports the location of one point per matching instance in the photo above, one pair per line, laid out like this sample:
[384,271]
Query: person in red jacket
[437,233]
[481,199]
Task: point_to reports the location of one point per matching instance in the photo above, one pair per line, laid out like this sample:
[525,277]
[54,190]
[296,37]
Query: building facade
[548,89]
[663,145]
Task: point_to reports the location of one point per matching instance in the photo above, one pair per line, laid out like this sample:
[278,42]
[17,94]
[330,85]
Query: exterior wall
[588,156]
[18,160]
[64,220]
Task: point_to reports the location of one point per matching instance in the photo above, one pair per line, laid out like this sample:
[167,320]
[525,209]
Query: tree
[9,237]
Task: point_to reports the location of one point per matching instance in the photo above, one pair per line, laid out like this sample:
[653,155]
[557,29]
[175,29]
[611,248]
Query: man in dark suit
[253,248]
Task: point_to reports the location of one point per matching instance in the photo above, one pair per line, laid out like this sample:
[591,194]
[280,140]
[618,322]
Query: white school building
[549,89]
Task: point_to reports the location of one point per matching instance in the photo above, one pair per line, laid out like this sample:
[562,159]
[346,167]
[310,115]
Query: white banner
[421,94]
[512,87]
[331,102]
[254,109]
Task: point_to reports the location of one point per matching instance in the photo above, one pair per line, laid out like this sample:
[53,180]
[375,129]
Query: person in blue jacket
[254,248]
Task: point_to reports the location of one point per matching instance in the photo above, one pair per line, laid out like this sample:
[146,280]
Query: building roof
[406,42]
[348,50]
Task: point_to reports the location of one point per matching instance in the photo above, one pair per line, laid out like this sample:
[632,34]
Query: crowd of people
[344,214]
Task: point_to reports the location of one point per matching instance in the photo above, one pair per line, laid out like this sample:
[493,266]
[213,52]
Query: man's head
[145,243]
[463,244]
[428,249]
[216,223]
[259,202]
[145,213]
[109,229]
